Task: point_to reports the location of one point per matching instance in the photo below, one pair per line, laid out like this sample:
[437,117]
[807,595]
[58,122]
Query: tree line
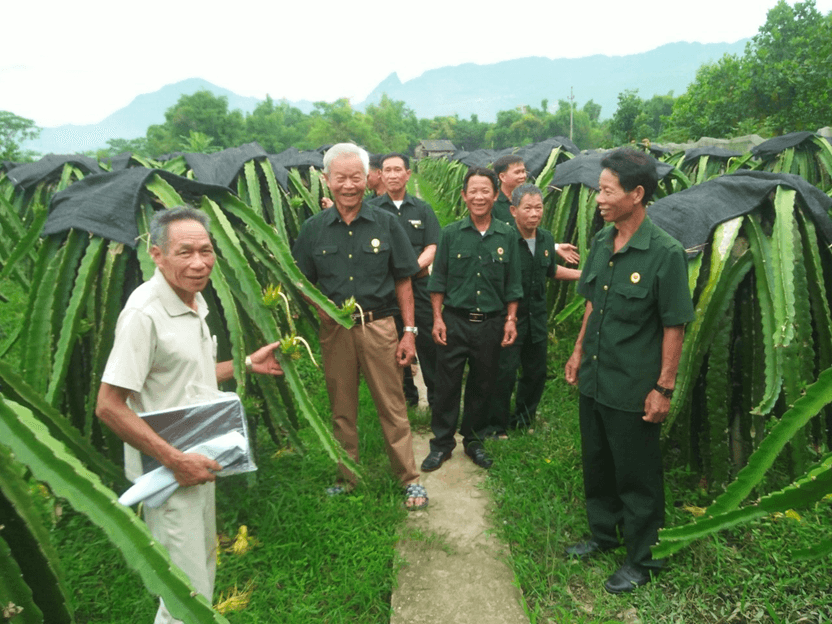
[780,84]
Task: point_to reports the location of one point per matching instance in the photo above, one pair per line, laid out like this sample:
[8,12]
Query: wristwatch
[412,330]
[665,392]
[249,365]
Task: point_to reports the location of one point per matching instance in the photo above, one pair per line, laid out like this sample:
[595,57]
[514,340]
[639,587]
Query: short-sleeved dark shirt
[477,273]
[537,269]
[502,209]
[635,294]
[361,260]
[416,217]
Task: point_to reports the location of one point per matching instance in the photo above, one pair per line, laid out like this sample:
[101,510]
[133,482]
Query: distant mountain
[463,89]
[487,89]
[133,120]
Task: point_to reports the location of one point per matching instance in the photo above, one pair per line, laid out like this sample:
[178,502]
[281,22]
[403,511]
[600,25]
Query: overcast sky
[67,62]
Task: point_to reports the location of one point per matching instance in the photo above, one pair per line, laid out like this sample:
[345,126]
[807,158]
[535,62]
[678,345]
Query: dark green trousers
[623,479]
[530,358]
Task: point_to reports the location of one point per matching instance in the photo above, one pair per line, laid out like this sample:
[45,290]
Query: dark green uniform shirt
[477,273]
[416,217]
[537,269]
[635,294]
[502,209]
[361,260]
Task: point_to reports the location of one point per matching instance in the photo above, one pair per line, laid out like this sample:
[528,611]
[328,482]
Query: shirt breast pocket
[494,265]
[632,303]
[459,263]
[376,255]
[416,232]
[327,259]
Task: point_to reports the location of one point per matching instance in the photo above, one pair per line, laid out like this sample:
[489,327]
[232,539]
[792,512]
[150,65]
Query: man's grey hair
[163,218]
[521,191]
[346,149]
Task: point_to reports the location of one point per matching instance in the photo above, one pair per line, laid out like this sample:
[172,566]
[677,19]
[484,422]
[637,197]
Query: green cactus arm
[30,545]
[50,462]
[800,494]
[87,273]
[14,590]
[764,274]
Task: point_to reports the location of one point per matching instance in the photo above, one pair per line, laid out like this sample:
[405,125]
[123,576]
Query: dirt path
[454,570]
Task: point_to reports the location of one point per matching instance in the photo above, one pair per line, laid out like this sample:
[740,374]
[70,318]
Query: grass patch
[743,575]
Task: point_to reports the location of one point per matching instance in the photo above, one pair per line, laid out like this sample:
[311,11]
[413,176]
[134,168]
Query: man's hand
[406,350]
[193,469]
[568,252]
[263,361]
[509,333]
[656,407]
[440,332]
[573,364]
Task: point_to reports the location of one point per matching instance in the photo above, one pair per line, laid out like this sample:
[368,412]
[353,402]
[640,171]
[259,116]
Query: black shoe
[479,457]
[626,579]
[585,549]
[434,460]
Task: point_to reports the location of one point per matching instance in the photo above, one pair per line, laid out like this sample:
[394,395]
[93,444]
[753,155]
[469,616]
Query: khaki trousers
[371,351]
[186,525]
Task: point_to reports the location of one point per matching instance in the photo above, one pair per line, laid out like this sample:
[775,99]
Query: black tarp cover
[293,157]
[106,204]
[690,216]
[222,168]
[772,147]
[712,151]
[31,174]
[586,169]
[535,155]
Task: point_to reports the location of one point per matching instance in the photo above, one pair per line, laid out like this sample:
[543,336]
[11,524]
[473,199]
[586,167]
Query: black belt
[370,315]
[473,317]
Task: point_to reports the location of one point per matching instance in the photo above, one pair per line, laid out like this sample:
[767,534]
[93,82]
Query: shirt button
[478,275]
[349,256]
[601,311]
[350,277]
[611,263]
[478,309]
[594,357]
[350,232]
[606,287]
[459,255]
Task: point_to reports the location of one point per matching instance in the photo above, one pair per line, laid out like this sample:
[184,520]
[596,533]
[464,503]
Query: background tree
[200,112]
[338,121]
[395,124]
[780,84]
[277,126]
[13,131]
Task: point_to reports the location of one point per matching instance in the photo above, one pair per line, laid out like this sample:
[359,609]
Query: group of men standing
[482,305]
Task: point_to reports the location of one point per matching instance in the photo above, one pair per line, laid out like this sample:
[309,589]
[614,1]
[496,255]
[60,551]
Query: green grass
[744,575]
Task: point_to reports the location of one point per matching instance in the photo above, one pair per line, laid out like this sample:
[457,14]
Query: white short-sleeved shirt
[161,347]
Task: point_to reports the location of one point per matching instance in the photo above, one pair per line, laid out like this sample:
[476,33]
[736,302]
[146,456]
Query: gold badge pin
[635,278]
[500,250]
[375,242]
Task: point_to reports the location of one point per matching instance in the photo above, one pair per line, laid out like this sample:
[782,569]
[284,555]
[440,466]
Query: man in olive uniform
[537,259]
[511,171]
[422,228]
[476,275]
[356,250]
[624,363]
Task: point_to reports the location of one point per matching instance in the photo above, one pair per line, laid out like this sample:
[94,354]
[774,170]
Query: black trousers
[623,479]
[425,346]
[478,345]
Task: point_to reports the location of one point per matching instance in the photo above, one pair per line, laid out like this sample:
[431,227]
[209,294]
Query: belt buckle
[356,317]
[476,317]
